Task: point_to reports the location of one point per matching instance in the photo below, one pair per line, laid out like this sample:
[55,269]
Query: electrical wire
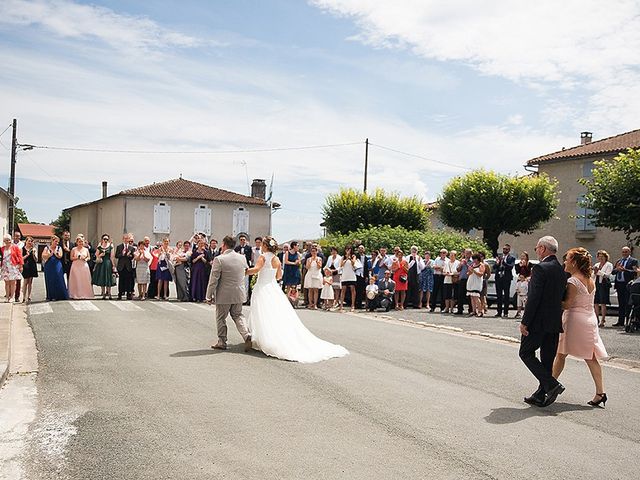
[5,130]
[419,156]
[166,152]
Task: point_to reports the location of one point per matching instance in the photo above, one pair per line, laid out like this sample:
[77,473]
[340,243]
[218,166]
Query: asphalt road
[130,390]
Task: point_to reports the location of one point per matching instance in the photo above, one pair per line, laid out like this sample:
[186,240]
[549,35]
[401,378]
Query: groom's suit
[227,291]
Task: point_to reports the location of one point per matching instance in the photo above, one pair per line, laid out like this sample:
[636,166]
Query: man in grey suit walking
[227,292]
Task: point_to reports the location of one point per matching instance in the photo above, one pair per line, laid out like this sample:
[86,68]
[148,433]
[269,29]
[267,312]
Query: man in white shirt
[437,297]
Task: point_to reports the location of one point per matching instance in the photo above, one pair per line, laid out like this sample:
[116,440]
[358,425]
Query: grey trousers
[236,314]
[182,288]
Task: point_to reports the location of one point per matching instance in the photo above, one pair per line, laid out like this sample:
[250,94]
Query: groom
[226,291]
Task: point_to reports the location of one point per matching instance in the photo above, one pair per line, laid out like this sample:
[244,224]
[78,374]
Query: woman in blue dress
[291,274]
[426,279]
[53,271]
[199,260]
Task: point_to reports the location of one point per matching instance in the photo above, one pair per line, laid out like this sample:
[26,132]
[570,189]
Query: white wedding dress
[275,327]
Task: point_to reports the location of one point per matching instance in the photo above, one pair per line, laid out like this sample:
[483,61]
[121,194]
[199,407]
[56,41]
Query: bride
[274,325]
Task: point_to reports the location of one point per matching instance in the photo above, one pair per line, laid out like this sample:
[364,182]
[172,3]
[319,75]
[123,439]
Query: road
[131,390]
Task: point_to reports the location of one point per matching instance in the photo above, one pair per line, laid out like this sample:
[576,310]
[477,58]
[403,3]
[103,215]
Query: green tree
[614,194]
[376,237]
[19,216]
[62,223]
[497,204]
[350,209]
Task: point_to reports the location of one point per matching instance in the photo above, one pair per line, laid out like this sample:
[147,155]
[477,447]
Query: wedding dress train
[275,327]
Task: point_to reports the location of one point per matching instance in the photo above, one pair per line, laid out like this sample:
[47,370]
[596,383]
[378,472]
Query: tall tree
[62,223]
[20,216]
[350,210]
[613,194]
[496,204]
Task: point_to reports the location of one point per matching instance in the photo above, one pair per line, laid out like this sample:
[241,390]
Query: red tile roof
[35,230]
[186,189]
[617,143]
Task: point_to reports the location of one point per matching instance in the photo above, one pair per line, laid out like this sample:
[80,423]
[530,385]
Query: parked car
[491,286]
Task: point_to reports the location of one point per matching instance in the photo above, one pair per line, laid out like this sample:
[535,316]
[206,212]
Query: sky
[438,88]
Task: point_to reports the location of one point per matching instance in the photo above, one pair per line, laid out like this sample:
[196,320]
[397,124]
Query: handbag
[403,278]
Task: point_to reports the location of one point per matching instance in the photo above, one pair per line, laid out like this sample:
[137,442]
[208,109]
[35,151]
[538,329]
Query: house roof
[615,144]
[36,230]
[181,188]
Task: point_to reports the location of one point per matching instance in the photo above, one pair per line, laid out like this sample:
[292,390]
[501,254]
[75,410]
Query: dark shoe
[618,324]
[536,398]
[219,346]
[119,297]
[247,344]
[553,394]
[498,315]
[603,400]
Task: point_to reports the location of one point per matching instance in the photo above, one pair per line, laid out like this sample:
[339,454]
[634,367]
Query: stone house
[4,211]
[176,209]
[569,225]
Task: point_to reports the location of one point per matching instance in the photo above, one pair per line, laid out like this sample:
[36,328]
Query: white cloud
[545,44]
[67,19]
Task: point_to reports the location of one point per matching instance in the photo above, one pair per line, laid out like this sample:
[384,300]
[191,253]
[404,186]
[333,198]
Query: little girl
[522,289]
[372,293]
[327,289]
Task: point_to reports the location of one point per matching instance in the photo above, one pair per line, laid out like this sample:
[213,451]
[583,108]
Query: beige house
[176,209]
[568,166]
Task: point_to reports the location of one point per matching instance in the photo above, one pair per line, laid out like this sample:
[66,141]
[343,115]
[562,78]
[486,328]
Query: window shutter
[202,220]
[161,218]
[240,221]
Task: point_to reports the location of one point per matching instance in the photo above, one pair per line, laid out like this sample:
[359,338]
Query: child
[522,288]
[372,293]
[327,289]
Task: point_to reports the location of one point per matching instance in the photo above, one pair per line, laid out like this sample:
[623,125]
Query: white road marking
[169,306]
[83,306]
[204,306]
[40,308]
[126,306]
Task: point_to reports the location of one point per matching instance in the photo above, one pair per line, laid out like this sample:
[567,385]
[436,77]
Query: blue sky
[454,84]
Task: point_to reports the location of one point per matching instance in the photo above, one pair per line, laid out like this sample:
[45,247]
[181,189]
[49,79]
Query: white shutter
[161,218]
[240,221]
[202,220]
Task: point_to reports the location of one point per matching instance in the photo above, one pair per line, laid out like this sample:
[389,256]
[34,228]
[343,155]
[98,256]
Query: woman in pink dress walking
[581,337]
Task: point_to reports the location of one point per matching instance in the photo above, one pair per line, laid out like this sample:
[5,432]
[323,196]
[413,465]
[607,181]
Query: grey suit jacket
[227,279]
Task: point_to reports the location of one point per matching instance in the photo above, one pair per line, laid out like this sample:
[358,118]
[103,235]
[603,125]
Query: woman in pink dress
[581,337]
[80,276]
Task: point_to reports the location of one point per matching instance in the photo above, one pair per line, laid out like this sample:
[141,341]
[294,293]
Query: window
[161,218]
[584,220]
[202,220]
[587,169]
[240,221]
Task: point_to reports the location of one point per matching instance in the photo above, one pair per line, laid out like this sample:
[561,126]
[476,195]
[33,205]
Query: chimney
[259,188]
[585,137]
[104,189]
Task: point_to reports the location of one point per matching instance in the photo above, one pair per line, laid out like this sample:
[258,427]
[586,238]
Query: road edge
[615,362]
[8,332]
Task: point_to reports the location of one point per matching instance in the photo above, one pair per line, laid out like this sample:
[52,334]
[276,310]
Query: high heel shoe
[603,400]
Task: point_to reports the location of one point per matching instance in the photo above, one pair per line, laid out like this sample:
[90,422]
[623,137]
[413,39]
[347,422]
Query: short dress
[426,277]
[30,268]
[581,337]
[163,273]
[402,270]
[348,275]
[474,283]
[9,270]
[291,275]
[143,275]
[313,277]
[327,291]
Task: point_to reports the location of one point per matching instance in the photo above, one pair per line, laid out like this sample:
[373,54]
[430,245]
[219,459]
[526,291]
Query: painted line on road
[84,306]
[125,306]
[169,306]
[40,308]
[208,308]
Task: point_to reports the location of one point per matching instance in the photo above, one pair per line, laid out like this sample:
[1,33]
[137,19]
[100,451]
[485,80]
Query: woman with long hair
[30,268]
[602,271]
[11,270]
[348,277]
[581,336]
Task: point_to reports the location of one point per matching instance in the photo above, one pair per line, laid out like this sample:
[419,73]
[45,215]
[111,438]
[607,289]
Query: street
[131,390]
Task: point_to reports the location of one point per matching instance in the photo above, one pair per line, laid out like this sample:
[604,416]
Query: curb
[10,333]
[5,373]
[616,362]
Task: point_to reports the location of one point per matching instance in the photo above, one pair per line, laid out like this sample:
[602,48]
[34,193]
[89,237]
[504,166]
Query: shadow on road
[503,416]
[195,353]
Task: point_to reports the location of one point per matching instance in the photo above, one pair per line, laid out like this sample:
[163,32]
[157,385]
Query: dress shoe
[498,315]
[534,401]
[247,343]
[553,394]
[219,346]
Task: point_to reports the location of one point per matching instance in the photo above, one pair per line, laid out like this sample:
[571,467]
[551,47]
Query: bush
[350,209]
[376,237]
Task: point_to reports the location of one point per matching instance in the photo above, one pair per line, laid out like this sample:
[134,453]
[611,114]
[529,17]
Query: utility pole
[366,162]
[12,178]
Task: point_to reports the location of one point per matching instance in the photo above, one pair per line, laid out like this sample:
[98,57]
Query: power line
[419,156]
[5,130]
[193,152]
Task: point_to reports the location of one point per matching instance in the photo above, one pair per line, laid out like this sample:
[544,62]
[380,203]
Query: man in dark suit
[503,270]
[124,265]
[386,288]
[362,276]
[542,321]
[243,248]
[66,253]
[625,271]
